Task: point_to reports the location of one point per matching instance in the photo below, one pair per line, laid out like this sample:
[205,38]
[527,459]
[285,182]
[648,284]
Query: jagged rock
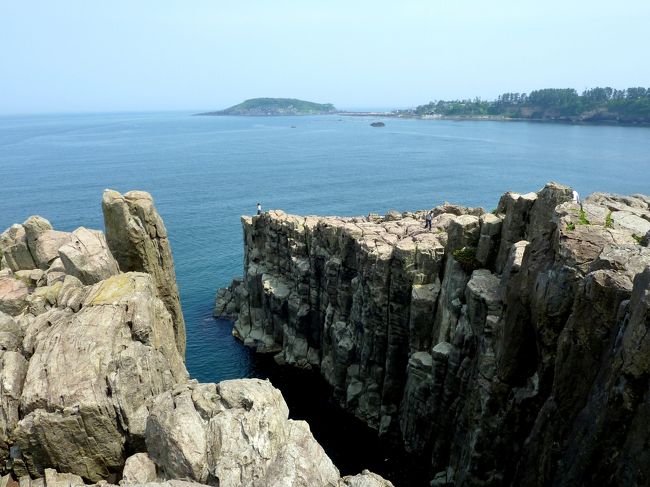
[364,479]
[234,433]
[14,249]
[56,479]
[87,257]
[225,305]
[43,241]
[509,347]
[488,243]
[11,334]
[13,368]
[138,469]
[54,273]
[516,210]
[137,238]
[121,342]
[13,295]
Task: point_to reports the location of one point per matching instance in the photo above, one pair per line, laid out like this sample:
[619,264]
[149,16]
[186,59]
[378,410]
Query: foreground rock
[137,238]
[93,385]
[509,347]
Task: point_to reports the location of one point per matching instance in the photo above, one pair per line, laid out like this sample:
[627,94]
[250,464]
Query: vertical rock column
[137,238]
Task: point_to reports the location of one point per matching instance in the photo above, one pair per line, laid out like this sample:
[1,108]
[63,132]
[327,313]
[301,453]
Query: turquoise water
[204,172]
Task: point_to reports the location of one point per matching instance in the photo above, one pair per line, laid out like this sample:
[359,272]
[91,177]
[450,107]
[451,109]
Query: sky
[142,55]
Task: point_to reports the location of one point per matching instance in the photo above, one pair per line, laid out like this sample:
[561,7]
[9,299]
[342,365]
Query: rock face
[509,347]
[93,385]
[137,237]
[234,433]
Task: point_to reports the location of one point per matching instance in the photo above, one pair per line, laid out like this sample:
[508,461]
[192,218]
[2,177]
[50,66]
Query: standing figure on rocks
[428,219]
[259,209]
[576,197]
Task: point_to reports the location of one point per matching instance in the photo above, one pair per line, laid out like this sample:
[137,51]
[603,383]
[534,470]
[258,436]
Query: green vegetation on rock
[466,257]
[608,220]
[276,106]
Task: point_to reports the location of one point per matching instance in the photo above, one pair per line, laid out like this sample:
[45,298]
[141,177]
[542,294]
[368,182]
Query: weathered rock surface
[137,238]
[79,418]
[91,372]
[87,257]
[234,433]
[511,348]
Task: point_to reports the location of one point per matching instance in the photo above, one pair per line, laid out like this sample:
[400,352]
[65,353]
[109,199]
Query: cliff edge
[93,384]
[509,346]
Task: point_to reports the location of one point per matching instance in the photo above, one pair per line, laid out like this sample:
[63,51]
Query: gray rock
[137,238]
[364,479]
[43,241]
[138,469]
[87,257]
[475,362]
[234,433]
[13,368]
[14,249]
[123,347]
[13,295]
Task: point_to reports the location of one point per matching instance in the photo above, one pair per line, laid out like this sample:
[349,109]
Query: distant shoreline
[490,118]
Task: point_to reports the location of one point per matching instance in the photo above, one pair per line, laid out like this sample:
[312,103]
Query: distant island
[596,105]
[276,107]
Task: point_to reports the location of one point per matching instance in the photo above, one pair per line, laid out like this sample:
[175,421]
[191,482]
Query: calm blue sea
[204,172]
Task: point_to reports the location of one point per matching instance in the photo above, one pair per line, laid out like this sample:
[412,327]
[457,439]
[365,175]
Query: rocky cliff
[93,385]
[509,346]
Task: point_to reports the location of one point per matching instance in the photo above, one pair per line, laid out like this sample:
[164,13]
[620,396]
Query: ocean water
[204,172]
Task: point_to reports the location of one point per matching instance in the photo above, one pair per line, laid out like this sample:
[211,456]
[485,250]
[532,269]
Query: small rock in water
[377,124]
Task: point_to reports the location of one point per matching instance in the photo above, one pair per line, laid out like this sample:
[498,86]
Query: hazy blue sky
[93,55]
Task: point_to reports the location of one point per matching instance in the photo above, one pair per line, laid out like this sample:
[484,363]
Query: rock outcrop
[510,347]
[93,385]
[137,237]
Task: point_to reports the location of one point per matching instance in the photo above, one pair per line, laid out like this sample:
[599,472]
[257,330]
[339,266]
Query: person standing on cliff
[427,220]
[259,208]
[576,198]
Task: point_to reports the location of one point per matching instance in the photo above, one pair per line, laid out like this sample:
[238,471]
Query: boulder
[234,433]
[137,238]
[87,257]
[13,295]
[14,248]
[138,469]
[43,241]
[364,479]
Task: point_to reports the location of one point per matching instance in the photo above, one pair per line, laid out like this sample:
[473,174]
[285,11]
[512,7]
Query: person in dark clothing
[427,220]
[259,209]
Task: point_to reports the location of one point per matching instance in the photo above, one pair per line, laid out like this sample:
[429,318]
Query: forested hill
[631,105]
[276,106]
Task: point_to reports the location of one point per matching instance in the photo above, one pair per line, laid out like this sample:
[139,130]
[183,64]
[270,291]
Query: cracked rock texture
[138,239]
[511,348]
[93,385]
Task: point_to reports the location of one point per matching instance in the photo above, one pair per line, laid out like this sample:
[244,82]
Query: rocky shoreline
[509,347]
[93,385]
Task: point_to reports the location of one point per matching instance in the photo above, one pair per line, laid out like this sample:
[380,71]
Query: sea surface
[204,172]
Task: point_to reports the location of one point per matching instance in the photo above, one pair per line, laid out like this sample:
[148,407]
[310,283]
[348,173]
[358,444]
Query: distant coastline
[595,106]
[490,118]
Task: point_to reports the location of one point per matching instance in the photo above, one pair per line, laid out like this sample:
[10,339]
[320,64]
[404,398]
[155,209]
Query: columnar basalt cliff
[93,385]
[509,346]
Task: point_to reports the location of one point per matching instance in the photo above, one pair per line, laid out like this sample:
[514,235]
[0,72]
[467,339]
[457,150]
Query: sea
[204,172]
